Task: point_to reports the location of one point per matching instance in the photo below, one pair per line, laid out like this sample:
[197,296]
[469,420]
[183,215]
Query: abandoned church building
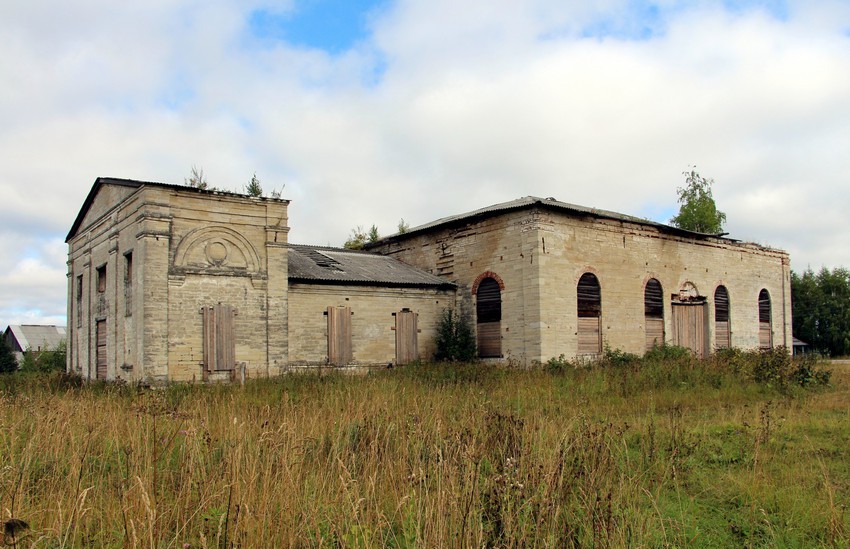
[168,282]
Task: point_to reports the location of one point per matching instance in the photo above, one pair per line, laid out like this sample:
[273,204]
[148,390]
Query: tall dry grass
[662,454]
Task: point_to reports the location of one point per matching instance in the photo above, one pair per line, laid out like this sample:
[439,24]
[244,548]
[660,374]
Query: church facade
[168,282]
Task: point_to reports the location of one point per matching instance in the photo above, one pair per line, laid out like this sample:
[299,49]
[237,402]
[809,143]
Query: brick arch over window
[484,275]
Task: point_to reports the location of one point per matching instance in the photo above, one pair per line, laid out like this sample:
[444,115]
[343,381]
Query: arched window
[653,312]
[722,333]
[765,331]
[489,318]
[589,315]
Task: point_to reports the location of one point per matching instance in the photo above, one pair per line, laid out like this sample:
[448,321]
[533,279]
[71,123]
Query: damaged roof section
[326,265]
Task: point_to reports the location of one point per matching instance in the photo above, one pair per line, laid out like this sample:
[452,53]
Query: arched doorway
[589,305]
[653,312]
[765,331]
[488,309]
[722,332]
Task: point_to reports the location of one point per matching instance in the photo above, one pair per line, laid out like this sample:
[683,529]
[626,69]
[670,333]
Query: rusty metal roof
[326,265]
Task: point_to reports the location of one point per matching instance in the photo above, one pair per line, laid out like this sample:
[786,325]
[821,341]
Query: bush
[558,365]
[49,360]
[455,341]
[8,363]
[617,358]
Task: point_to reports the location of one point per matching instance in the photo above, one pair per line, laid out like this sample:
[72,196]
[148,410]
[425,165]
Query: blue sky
[418,109]
[331,26]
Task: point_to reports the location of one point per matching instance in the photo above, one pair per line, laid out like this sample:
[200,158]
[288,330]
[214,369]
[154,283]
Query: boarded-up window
[589,315]
[406,337]
[339,336]
[488,310]
[722,332]
[101,279]
[128,283]
[79,301]
[100,351]
[219,338]
[765,331]
[653,311]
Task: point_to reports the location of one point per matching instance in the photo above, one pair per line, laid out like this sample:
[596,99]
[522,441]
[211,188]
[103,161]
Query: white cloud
[445,109]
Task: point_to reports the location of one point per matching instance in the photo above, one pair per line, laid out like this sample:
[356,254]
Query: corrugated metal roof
[551,203]
[36,337]
[326,265]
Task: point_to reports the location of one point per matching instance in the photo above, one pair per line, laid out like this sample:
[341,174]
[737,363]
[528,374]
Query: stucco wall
[540,254]
[372,321]
[189,250]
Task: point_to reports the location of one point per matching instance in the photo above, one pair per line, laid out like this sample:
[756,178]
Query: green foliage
[48,360]
[403,226]
[253,188]
[558,365]
[359,237]
[774,368]
[7,358]
[196,179]
[697,210]
[617,357]
[821,309]
[455,341]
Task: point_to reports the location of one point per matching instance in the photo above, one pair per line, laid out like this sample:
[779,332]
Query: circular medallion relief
[216,252]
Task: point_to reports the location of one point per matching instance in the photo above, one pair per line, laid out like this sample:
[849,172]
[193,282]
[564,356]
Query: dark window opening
[101,279]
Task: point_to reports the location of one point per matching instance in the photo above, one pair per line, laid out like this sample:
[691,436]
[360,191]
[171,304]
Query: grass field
[658,453]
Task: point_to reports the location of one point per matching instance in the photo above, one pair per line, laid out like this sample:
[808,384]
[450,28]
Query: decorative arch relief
[688,293]
[216,250]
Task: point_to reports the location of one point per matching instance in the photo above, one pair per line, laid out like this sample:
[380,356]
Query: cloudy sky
[369,111]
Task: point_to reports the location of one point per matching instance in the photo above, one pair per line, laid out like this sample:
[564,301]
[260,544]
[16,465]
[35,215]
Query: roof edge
[101,181]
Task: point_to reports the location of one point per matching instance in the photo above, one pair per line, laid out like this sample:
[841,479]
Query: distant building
[21,337]
[169,282]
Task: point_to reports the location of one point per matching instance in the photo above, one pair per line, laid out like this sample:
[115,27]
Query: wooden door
[339,336]
[219,338]
[100,352]
[689,327]
[406,338]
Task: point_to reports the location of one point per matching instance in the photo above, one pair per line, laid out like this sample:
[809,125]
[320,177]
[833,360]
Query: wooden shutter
[100,351]
[722,333]
[589,335]
[653,310]
[219,338]
[488,311]
[589,303]
[339,336]
[765,329]
[406,338]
